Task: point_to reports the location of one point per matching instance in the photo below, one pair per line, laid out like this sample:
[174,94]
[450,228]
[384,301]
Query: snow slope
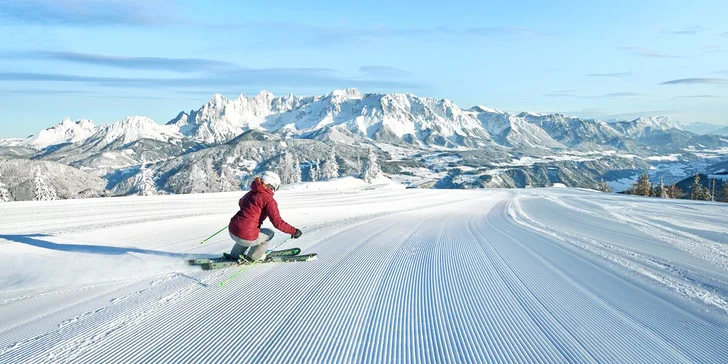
[534,275]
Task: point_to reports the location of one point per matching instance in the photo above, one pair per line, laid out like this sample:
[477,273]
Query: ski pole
[210,237]
[243,269]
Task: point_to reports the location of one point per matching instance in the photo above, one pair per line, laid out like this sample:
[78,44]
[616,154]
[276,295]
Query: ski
[291,258]
[284,253]
[226,257]
[275,259]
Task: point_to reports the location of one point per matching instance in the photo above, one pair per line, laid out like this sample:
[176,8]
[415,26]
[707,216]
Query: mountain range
[244,135]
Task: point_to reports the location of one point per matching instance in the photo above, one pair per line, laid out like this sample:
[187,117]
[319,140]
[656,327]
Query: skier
[258,204]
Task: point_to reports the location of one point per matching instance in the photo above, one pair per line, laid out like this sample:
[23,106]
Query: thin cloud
[383,71]
[569,93]
[704,81]
[616,74]
[699,97]
[268,77]
[87,94]
[714,49]
[617,94]
[86,12]
[690,31]
[503,30]
[138,63]
[43,92]
[644,52]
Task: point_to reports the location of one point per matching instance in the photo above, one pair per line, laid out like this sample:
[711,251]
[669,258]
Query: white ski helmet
[271,179]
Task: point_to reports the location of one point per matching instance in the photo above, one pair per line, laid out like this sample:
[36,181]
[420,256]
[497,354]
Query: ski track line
[605,251]
[677,334]
[595,341]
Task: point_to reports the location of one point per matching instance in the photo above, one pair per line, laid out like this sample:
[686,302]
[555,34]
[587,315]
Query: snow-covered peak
[264,95]
[481,108]
[67,131]
[10,142]
[134,128]
[657,122]
[349,93]
[638,127]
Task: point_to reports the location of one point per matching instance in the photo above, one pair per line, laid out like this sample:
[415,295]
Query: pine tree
[725,191]
[331,167]
[285,168]
[660,190]
[296,170]
[642,187]
[224,181]
[698,192]
[197,180]
[312,172]
[146,185]
[43,191]
[604,187]
[358,163]
[673,191]
[319,172]
[371,167]
[4,193]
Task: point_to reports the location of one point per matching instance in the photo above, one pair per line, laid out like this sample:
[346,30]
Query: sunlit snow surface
[531,275]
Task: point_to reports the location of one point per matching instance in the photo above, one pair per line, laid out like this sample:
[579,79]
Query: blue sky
[108,59]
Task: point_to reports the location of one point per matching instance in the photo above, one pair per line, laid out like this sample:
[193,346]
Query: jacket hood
[259,187]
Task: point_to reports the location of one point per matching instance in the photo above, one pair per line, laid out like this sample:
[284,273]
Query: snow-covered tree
[358,163]
[197,180]
[330,166]
[4,193]
[661,190]
[285,168]
[296,170]
[313,171]
[43,190]
[146,185]
[224,181]
[371,167]
[642,187]
[673,191]
[603,186]
[698,192]
[725,191]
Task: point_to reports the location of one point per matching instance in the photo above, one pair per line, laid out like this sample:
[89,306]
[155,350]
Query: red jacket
[257,205]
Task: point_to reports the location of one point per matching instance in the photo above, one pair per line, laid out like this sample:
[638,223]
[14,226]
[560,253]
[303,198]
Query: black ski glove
[297,234]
